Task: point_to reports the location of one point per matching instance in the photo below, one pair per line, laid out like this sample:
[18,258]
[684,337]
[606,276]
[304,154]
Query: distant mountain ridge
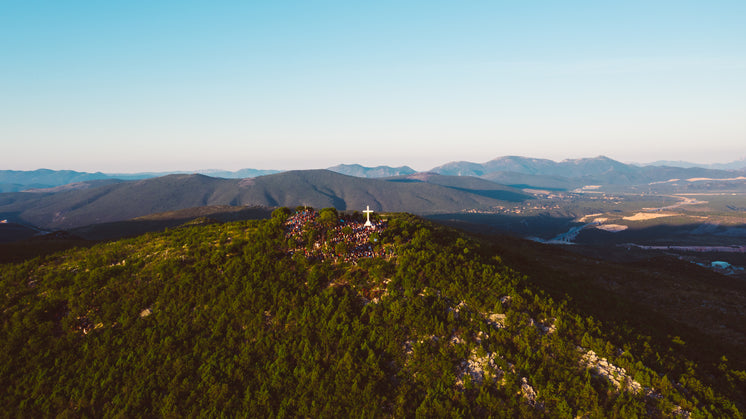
[570,168]
[511,170]
[371,172]
[453,187]
[734,165]
[238,174]
[21,180]
[18,180]
[317,188]
[571,173]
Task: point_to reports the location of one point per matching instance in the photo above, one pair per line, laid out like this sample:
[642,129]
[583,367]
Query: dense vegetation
[219,319]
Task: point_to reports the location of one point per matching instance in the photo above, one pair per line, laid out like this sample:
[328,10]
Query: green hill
[234,320]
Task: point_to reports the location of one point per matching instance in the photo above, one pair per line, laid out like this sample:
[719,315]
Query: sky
[131,86]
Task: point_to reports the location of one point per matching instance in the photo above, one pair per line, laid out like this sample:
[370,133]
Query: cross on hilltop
[367,213]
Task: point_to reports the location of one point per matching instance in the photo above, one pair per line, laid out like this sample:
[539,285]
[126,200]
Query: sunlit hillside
[318,315]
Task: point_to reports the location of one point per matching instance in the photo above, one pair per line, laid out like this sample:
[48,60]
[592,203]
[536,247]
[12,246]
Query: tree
[328,217]
[281,213]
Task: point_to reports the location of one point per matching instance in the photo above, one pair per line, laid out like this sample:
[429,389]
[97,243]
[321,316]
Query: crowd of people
[295,223]
[347,240]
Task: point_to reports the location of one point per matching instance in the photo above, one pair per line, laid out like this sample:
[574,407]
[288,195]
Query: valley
[699,227]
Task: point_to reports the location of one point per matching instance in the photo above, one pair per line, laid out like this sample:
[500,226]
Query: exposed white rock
[496,320]
[146,312]
[548,327]
[477,367]
[380,291]
[457,309]
[679,411]
[408,348]
[616,375]
[456,340]
[528,392]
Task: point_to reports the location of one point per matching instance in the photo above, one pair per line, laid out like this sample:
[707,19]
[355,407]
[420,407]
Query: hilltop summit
[228,319]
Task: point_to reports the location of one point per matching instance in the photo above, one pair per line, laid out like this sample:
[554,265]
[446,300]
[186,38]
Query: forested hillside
[248,319]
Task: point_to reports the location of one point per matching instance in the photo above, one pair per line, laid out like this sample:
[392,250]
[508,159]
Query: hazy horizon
[172,86]
[231,169]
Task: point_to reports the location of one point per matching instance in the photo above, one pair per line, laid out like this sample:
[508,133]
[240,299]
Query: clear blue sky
[124,86]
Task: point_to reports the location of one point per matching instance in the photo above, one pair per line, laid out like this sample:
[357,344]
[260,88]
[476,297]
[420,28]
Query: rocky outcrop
[616,375]
[478,367]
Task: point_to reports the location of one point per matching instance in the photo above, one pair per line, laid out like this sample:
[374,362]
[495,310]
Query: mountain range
[372,172]
[567,174]
[317,188]
[18,180]
[94,198]
[510,170]
[734,165]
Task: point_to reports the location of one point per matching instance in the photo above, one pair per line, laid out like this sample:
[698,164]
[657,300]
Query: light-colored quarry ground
[699,179]
[612,228]
[585,218]
[642,216]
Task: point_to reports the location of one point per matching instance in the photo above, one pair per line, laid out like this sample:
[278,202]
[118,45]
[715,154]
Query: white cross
[367,213]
